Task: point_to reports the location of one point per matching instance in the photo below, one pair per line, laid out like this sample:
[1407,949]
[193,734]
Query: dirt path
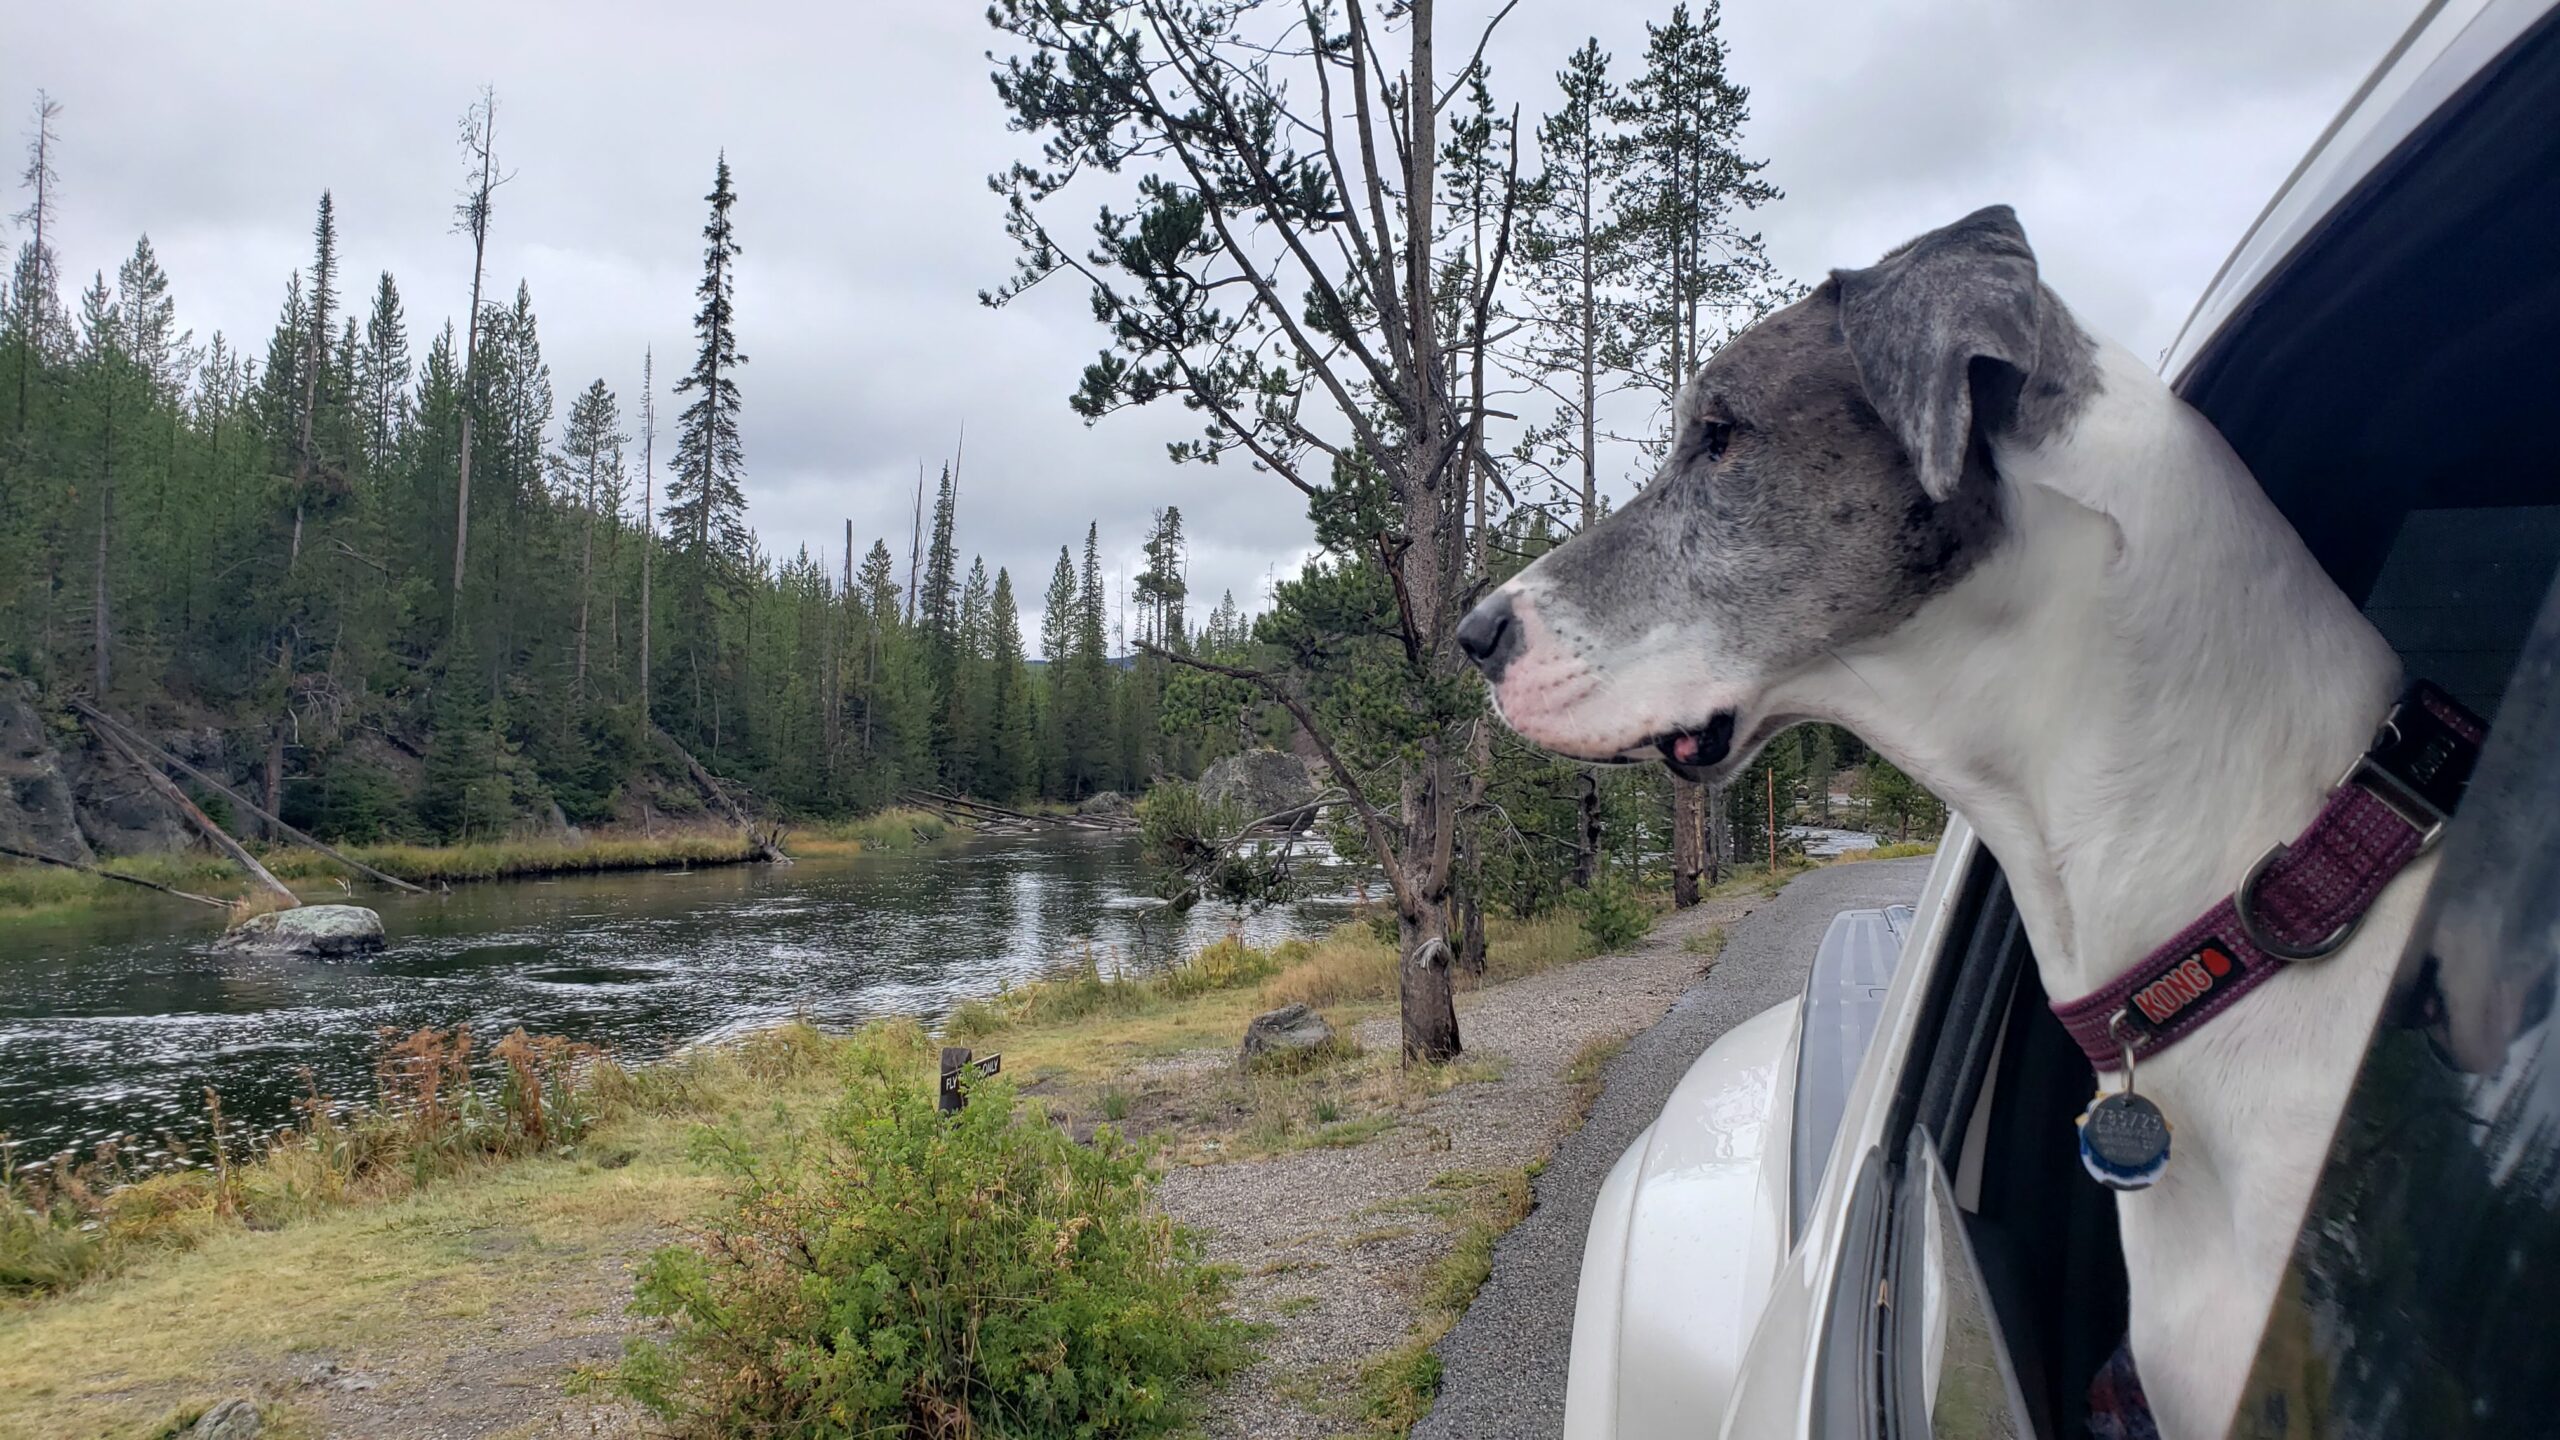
[1333,1246]
[1505,1362]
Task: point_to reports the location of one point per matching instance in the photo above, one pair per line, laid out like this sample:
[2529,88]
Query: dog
[1925,504]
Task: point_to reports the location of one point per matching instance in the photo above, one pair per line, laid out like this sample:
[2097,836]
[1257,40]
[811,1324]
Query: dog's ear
[1918,319]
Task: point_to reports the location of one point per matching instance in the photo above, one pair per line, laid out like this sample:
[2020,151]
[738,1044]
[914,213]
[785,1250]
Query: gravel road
[1505,1361]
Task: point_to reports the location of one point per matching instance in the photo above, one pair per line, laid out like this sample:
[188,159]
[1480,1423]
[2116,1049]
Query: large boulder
[1257,783]
[320,932]
[1104,802]
[1291,1032]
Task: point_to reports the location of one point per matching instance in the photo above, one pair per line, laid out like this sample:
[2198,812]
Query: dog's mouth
[1694,754]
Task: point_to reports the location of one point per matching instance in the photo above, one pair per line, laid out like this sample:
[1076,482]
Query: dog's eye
[1713,437]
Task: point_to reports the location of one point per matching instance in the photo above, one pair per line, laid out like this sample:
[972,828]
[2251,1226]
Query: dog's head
[1828,473]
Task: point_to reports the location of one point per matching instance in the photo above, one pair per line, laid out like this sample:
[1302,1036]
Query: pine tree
[104,363]
[938,626]
[970,720]
[1683,185]
[1572,260]
[1008,759]
[1057,648]
[589,471]
[382,378]
[1089,746]
[1160,587]
[151,337]
[706,508]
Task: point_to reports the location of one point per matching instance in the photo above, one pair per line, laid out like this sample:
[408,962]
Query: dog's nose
[1490,635]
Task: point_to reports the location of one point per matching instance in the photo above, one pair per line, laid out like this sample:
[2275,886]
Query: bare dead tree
[471,217]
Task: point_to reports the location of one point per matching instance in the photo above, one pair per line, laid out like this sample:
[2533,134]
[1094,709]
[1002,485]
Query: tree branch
[1375,824]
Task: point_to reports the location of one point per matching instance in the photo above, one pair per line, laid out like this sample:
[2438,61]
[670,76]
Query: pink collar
[2300,901]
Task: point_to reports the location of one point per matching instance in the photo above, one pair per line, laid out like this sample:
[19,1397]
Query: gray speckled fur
[1818,525]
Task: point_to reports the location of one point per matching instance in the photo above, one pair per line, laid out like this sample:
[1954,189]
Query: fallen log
[710,786]
[236,798]
[168,790]
[16,854]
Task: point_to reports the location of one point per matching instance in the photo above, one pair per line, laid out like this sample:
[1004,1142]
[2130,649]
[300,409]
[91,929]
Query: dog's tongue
[1684,748]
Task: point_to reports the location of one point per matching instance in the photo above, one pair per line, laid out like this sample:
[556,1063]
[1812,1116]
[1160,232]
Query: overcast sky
[2137,141]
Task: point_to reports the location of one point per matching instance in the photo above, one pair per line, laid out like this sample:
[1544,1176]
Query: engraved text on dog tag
[2124,1141]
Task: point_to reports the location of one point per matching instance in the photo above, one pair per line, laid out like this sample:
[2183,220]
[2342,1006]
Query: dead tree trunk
[1586,850]
[177,798]
[710,787]
[1688,840]
[135,738]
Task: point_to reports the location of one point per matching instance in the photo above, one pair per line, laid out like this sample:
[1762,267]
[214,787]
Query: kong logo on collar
[2160,1003]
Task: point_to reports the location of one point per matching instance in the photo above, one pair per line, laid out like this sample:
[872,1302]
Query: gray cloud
[2136,142]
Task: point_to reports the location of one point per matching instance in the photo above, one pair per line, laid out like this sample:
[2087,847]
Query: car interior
[2391,387]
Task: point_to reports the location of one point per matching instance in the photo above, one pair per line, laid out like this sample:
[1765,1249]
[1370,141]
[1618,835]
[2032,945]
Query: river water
[117,1022]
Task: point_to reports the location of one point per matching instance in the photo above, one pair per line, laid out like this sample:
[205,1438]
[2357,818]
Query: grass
[34,891]
[897,831]
[1901,851]
[1397,1388]
[1707,944]
[1582,1075]
[1352,964]
[196,1303]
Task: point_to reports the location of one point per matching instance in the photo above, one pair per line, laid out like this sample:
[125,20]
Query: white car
[1863,1214]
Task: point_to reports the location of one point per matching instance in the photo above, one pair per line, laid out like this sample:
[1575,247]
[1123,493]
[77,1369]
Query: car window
[2420,1300]
[1950,1371]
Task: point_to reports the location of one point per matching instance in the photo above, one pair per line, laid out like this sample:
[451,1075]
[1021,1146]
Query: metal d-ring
[2243,904]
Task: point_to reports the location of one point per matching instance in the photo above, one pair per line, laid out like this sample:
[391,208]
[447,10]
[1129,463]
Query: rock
[1291,1030]
[1263,782]
[234,1419]
[1104,802]
[36,808]
[319,931]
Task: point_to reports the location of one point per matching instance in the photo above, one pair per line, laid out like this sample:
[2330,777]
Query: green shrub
[1613,913]
[907,1273]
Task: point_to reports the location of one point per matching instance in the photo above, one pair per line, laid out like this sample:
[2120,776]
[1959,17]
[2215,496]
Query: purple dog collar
[2300,901]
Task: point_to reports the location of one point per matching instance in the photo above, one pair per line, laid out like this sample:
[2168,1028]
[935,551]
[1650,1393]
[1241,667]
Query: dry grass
[895,831]
[1352,964]
[1903,851]
[216,1299]
[32,891]
[1707,944]
[511,859]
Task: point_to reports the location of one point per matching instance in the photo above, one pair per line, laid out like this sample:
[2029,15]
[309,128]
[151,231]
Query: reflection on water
[118,1023]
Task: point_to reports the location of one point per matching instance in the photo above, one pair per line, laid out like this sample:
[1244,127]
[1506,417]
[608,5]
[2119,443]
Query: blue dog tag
[2124,1141]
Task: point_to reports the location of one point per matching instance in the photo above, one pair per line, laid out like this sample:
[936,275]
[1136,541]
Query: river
[117,1021]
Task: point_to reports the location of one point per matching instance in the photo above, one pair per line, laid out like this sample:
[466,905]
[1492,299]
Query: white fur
[2147,684]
